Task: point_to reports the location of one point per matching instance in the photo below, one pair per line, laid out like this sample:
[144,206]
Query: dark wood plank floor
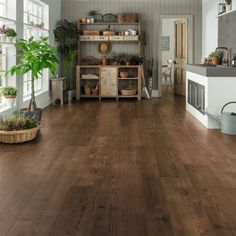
[120,169]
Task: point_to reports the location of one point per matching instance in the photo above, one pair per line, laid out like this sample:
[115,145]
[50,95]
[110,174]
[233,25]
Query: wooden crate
[91,32]
[128,18]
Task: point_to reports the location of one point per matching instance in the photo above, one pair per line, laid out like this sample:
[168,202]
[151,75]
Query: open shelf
[89,96]
[90,78]
[110,23]
[128,78]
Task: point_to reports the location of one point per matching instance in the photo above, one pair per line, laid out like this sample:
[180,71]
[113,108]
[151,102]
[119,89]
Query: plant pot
[37,115]
[94,92]
[92,20]
[127,63]
[9,101]
[70,96]
[87,90]
[84,20]
[9,39]
[124,74]
[3,38]
[215,61]
[21,136]
[228,7]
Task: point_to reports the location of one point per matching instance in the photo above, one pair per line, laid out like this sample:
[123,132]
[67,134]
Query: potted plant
[11,35]
[228,5]
[92,16]
[9,94]
[215,57]
[35,56]
[18,129]
[67,36]
[3,34]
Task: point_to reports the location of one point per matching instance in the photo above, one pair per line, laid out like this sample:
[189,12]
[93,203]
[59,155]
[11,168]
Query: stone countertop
[211,70]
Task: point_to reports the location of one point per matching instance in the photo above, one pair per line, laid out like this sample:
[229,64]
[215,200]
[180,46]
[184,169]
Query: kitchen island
[209,88]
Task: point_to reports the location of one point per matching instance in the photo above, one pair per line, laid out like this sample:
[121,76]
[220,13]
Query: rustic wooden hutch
[108,80]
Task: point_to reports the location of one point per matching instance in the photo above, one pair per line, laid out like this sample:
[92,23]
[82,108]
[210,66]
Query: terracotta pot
[124,74]
[127,63]
[215,60]
[84,20]
[104,61]
[87,90]
[94,92]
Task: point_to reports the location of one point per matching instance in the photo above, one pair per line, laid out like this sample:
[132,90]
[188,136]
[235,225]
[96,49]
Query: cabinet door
[108,81]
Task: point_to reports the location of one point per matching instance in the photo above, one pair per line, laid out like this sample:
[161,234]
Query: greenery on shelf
[9,91]
[67,35]
[17,122]
[93,13]
[215,54]
[11,32]
[228,2]
[34,57]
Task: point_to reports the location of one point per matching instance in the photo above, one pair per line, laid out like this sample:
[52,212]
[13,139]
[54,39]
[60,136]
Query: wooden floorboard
[119,169]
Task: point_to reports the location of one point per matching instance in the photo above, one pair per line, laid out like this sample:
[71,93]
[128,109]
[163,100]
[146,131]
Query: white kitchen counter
[218,91]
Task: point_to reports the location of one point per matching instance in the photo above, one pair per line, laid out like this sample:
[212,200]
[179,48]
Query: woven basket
[128,92]
[21,136]
[91,32]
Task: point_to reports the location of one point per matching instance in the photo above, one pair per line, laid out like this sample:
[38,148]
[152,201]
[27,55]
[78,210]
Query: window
[3,8]
[36,18]
[7,49]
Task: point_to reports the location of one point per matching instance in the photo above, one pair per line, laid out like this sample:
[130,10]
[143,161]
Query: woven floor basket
[22,136]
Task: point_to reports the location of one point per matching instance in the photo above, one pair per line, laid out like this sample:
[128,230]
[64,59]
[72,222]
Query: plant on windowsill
[35,56]
[18,129]
[67,35]
[11,35]
[9,94]
[228,5]
[215,57]
[3,34]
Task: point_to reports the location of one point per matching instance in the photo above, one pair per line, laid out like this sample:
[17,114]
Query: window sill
[28,97]
[7,109]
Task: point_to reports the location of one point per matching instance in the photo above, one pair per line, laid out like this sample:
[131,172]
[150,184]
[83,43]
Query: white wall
[210,25]
[168,29]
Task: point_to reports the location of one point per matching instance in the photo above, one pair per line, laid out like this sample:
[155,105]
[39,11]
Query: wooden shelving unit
[109,81]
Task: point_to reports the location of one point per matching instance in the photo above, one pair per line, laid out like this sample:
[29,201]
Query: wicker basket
[128,17]
[128,92]
[21,136]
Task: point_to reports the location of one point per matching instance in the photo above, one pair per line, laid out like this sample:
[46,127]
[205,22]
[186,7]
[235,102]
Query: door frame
[189,19]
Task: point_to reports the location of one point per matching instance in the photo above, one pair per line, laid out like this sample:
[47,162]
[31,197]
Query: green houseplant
[9,94]
[67,35]
[11,34]
[34,57]
[215,57]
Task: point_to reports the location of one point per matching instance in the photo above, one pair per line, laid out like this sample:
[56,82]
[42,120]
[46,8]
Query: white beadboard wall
[150,10]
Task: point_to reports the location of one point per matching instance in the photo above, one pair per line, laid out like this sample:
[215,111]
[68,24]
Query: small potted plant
[92,16]
[228,5]
[215,57]
[127,60]
[11,35]
[3,34]
[9,94]
[18,129]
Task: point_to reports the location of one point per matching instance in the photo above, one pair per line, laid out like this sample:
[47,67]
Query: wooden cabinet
[109,82]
